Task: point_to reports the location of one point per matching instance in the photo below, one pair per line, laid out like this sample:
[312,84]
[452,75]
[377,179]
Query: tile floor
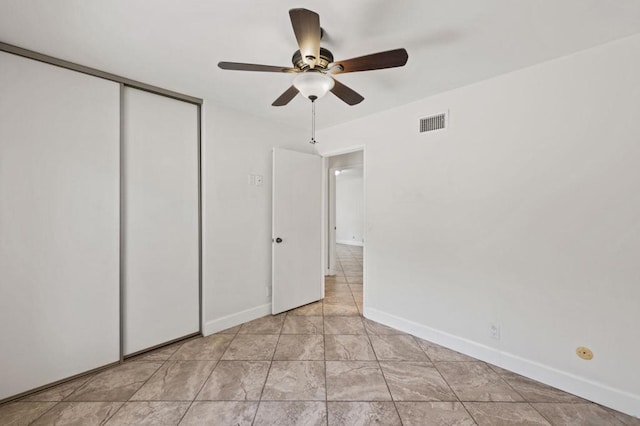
[319,364]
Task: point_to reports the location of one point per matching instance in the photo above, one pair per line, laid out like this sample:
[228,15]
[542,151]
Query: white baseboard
[350,242]
[593,391]
[238,318]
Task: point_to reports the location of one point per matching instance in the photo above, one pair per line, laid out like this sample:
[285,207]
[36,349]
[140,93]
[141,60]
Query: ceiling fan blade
[346,94]
[286,97]
[375,61]
[306,26]
[238,66]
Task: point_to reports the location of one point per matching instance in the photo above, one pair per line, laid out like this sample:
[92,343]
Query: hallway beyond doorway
[348,271]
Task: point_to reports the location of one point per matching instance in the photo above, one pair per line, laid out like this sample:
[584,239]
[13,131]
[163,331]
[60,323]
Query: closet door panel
[161,278]
[59,223]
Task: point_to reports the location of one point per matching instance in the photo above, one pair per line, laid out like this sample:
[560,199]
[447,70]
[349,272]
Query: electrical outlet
[494,331]
[258,179]
[252,180]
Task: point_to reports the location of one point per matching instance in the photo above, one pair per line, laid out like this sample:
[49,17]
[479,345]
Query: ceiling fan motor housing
[326,57]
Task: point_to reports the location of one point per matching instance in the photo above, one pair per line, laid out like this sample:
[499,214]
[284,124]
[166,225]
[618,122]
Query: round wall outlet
[584,353]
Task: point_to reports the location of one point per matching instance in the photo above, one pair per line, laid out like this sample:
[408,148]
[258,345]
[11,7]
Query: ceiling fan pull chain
[313,122]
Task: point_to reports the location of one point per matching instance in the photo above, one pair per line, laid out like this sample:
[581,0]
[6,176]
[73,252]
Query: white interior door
[297,229]
[160,221]
[59,223]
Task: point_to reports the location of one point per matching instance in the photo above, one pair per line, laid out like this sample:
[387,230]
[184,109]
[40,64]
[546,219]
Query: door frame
[328,193]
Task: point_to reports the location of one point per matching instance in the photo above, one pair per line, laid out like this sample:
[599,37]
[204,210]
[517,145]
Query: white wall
[526,213]
[350,207]
[237,216]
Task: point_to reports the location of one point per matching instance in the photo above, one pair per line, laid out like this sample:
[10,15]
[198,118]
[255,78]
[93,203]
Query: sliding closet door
[59,223]
[160,229]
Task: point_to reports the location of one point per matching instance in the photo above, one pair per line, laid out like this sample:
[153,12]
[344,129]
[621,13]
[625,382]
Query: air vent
[435,122]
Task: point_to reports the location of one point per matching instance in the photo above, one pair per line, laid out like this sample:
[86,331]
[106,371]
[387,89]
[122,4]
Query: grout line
[41,415]
[203,383]
[377,360]
[326,384]
[66,399]
[542,415]
[269,370]
[383,376]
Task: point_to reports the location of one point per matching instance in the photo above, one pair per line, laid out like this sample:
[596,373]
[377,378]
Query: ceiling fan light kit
[313,84]
[314,64]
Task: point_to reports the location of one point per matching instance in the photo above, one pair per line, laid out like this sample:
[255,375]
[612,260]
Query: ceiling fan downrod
[313,140]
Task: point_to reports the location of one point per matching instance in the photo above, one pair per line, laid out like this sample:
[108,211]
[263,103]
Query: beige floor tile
[116,384]
[302,347]
[291,413]
[475,381]
[343,325]
[356,381]
[312,309]
[341,310]
[354,280]
[149,413]
[340,299]
[440,353]
[208,348]
[434,414]
[79,413]
[175,381]
[373,327]
[297,324]
[235,381]
[534,391]
[160,354]
[504,414]
[397,348]
[271,324]
[624,418]
[251,347]
[501,371]
[23,413]
[416,381]
[340,347]
[337,288]
[59,392]
[295,381]
[581,414]
[363,413]
[232,330]
[339,278]
[220,413]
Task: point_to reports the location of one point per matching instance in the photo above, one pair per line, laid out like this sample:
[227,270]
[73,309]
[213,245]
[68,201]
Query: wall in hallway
[350,207]
[525,214]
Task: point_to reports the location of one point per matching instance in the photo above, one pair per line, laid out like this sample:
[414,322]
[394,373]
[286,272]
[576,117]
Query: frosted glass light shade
[313,84]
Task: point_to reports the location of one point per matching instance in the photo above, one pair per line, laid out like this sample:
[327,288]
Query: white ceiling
[176,44]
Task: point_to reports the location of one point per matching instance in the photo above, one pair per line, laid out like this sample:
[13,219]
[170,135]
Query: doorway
[345,222]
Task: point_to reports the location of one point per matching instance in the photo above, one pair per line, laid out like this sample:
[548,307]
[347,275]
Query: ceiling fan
[315,64]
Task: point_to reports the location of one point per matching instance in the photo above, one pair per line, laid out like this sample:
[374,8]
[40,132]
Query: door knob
[278,240]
